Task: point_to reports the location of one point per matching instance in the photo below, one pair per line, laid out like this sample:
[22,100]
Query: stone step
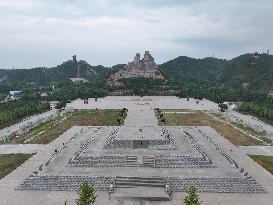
[137,177]
[143,193]
[125,182]
[148,161]
[148,165]
[131,160]
[131,156]
[141,181]
[147,157]
[136,184]
[131,165]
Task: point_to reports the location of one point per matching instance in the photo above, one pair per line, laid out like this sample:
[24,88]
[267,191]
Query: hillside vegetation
[14,111]
[245,78]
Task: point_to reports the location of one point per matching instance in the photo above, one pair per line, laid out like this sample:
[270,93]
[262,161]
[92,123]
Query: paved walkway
[20,148]
[136,117]
[162,102]
[257,150]
[141,116]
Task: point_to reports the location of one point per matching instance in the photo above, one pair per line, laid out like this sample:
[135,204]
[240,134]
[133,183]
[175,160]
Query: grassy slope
[10,162]
[265,161]
[61,124]
[257,116]
[200,118]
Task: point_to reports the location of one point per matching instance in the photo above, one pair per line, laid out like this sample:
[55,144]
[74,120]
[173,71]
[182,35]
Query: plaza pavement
[8,184]
[141,117]
[133,102]
[172,102]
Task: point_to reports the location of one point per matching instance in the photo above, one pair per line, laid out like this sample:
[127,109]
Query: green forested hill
[44,76]
[37,80]
[185,71]
[249,72]
[245,71]
[2,73]
[247,77]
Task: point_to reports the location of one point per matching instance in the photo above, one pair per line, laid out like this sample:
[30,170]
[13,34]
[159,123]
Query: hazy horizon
[78,58]
[36,33]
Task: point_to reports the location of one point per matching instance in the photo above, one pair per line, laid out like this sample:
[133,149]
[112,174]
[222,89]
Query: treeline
[72,92]
[245,78]
[247,72]
[220,95]
[263,112]
[142,86]
[13,111]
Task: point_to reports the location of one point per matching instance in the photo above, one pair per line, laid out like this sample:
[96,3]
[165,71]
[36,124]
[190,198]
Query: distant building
[74,58]
[233,105]
[43,94]
[78,80]
[15,93]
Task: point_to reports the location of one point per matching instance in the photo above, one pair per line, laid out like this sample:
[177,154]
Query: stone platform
[176,156]
[197,160]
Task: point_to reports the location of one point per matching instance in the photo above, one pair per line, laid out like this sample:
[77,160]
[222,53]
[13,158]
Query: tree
[192,198]
[86,195]
[223,107]
[60,105]
[65,203]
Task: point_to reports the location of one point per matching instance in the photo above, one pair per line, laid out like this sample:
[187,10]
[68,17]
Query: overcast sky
[47,32]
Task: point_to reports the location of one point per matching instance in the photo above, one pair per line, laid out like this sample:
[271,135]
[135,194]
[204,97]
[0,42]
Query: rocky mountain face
[144,68]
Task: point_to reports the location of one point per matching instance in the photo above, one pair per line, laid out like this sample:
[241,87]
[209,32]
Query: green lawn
[10,162]
[201,118]
[265,161]
[58,126]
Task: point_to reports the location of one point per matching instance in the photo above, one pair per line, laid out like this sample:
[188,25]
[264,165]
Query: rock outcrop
[145,67]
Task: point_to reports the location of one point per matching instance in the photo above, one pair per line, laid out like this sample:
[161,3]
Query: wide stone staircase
[131,161]
[129,182]
[140,161]
[148,161]
[147,188]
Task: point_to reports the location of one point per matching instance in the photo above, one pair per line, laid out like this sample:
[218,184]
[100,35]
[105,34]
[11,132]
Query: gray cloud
[45,33]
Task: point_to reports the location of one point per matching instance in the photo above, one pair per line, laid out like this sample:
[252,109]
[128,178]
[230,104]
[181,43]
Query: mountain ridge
[247,73]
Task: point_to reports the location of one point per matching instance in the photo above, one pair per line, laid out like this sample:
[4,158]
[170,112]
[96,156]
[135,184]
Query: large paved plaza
[140,160]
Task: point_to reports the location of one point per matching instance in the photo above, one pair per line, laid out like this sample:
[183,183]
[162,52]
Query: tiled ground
[174,156]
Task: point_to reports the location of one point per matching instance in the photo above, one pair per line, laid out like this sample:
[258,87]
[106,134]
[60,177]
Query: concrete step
[142,193]
[131,161]
[141,180]
[137,184]
[125,182]
[131,165]
[148,165]
[147,161]
[137,177]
